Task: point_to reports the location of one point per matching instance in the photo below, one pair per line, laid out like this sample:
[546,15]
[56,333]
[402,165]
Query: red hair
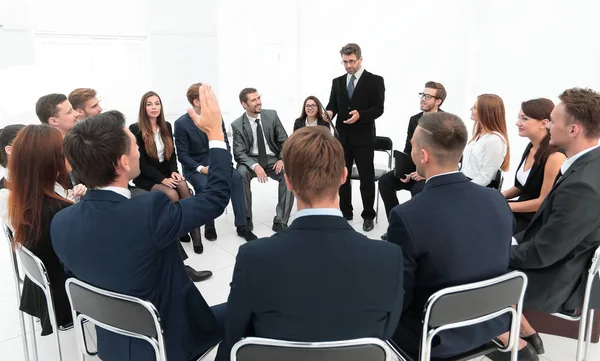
[492,119]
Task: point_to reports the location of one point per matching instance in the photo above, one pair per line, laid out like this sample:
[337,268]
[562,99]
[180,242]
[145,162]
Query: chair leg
[581,336]
[24,336]
[377,200]
[588,335]
[33,340]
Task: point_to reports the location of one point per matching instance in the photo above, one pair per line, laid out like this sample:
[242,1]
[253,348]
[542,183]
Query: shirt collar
[319,212]
[253,119]
[437,175]
[119,190]
[58,189]
[358,74]
[569,161]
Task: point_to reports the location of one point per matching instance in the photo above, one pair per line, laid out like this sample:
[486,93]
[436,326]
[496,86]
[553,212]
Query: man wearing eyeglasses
[357,99]
[432,98]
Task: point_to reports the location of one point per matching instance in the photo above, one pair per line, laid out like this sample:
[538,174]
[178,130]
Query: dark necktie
[558,176]
[351,86]
[260,141]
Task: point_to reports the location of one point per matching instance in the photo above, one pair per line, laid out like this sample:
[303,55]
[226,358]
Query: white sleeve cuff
[253,166]
[217,144]
[199,169]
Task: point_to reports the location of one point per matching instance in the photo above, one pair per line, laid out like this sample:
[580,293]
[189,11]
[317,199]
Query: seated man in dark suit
[310,282]
[130,245]
[556,249]
[452,233]
[193,153]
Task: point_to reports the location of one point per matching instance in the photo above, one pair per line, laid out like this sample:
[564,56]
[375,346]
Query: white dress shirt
[313,124]
[255,146]
[522,175]
[569,161]
[357,76]
[160,146]
[483,157]
[441,174]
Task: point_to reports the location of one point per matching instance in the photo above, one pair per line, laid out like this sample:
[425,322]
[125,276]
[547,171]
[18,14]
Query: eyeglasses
[310,106]
[426,96]
[351,62]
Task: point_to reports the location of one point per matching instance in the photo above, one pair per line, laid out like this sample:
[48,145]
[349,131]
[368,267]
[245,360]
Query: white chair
[263,349]
[591,301]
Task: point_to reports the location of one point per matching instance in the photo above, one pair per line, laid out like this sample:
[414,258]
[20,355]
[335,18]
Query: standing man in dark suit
[332,298]
[130,245]
[193,153]
[432,98]
[556,249]
[453,232]
[258,138]
[357,98]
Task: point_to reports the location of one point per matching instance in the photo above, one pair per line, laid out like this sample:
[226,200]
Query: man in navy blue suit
[192,151]
[318,280]
[453,232]
[130,246]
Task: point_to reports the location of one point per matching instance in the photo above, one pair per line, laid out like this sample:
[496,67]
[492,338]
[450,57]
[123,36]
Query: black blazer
[192,145]
[319,280]
[131,246]
[556,248]
[151,170]
[368,99]
[301,123]
[452,233]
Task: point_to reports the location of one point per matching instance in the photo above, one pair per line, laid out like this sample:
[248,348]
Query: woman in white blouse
[488,150]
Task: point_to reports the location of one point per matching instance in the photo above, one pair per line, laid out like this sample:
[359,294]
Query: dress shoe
[536,341]
[527,353]
[368,225]
[197,276]
[185,239]
[197,241]
[384,236]
[249,224]
[278,227]
[348,217]
[210,233]
[245,233]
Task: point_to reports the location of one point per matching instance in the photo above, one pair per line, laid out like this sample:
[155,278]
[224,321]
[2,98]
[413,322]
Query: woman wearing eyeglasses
[312,114]
[488,150]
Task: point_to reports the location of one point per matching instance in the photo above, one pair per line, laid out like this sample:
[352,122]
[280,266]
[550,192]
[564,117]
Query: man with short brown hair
[309,282]
[85,102]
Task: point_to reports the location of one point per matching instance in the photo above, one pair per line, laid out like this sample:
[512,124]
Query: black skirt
[33,302]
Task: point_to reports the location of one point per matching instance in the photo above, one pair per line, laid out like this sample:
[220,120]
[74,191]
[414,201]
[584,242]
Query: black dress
[33,300]
[151,170]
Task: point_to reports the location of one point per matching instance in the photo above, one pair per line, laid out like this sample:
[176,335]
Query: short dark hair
[244,94]
[45,108]
[322,178]
[583,105]
[7,137]
[79,96]
[444,134]
[350,49]
[440,91]
[93,147]
[193,92]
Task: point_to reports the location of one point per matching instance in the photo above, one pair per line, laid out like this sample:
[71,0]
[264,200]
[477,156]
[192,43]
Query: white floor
[219,257]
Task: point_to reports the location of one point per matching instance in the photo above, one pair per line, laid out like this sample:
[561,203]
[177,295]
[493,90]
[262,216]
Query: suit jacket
[192,144]
[368,99]
[130,246]
[412,125]
[452,233]
[243,137]
[319,280]
[301,123]
[152,170]
[556,248]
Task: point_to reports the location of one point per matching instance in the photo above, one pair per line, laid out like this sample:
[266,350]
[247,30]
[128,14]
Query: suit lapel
[360,81]
[200,133]
[248,130]
[344,87]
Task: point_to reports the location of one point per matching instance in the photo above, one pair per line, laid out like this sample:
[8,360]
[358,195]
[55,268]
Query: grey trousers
[285,197]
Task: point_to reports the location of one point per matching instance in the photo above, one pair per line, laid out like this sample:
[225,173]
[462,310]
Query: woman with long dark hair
[488,150]
[36,165]
[311,115]
[539,165]
[158,161]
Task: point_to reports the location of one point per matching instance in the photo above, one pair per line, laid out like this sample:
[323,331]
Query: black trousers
[363,157]
[389,184]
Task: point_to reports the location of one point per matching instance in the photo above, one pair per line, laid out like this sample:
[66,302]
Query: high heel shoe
[536,341]
[197,241]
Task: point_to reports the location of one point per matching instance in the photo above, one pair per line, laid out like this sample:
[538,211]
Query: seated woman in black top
[539,165]
[35,164]
[158,161]
[312,114]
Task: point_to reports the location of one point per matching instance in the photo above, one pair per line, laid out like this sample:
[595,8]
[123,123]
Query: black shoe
[197,241]
[210,233]
[536,341]
[384,236]
[348,217]
[368,225]
[278,227]
[525,354]
[185,239]
[197,276]
[245,233]
[249,224]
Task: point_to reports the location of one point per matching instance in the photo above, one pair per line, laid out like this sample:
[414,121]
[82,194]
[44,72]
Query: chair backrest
[34,268]
[113,311]
[594,273]
[475,302]
[262,349]
[496,183]
[385,144]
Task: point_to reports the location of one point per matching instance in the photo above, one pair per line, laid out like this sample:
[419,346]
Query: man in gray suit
[557,247]
[261,156]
